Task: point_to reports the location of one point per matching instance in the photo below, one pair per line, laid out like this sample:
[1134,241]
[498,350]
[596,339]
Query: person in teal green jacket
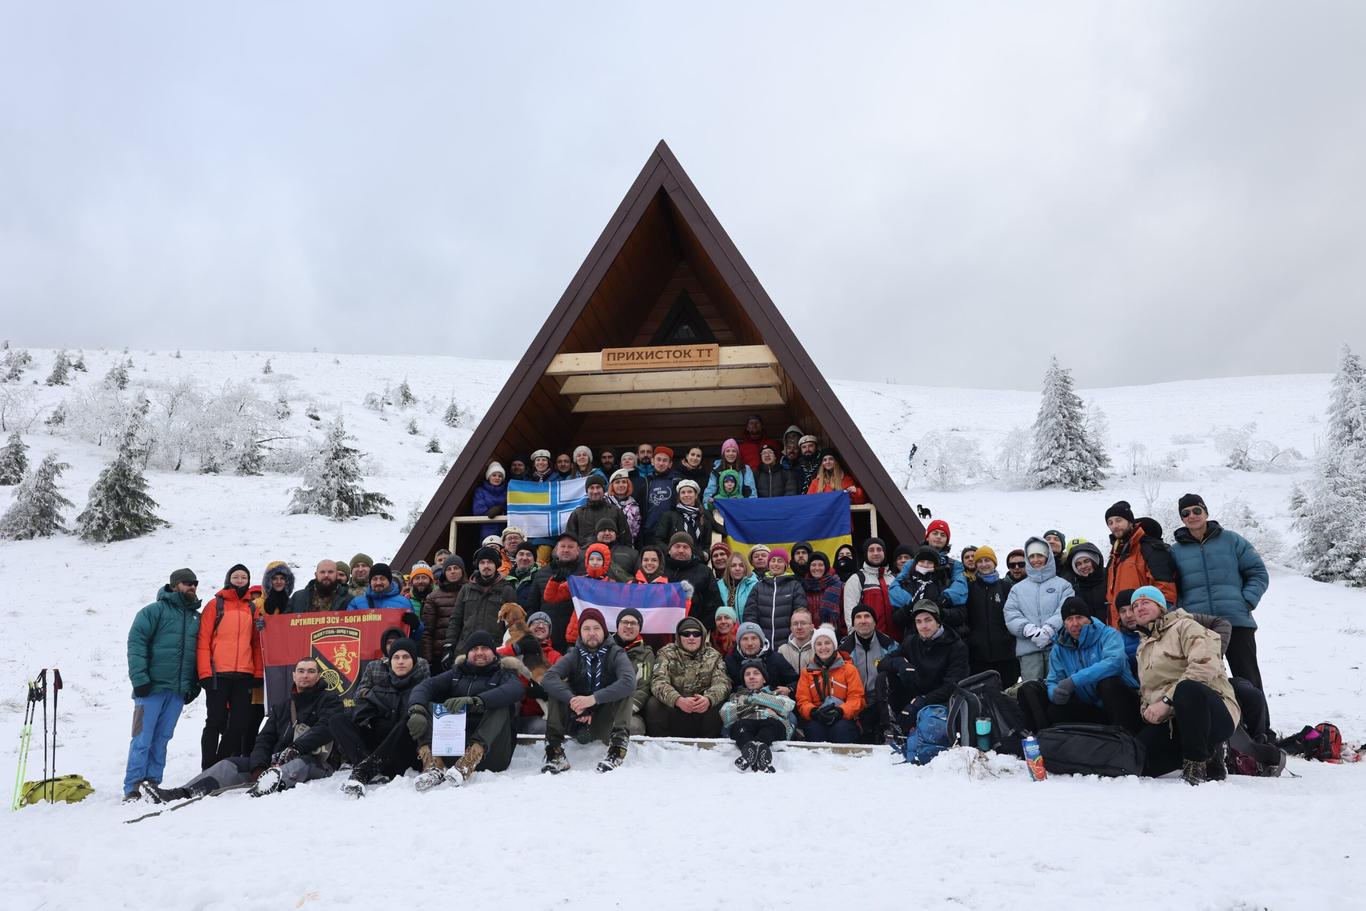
[162,670]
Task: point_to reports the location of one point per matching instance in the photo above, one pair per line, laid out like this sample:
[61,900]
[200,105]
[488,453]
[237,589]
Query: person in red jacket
[228,664]
[753,441]
[831,476]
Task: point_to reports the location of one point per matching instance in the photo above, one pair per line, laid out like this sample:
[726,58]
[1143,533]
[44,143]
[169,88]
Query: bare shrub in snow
[1243,451]
[414,514]
[13,365]
[37,508]
[1151,475]
[1012,456]
[18,408]
[946,460]
[1237,515]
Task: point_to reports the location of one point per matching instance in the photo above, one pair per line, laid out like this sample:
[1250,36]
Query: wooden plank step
[707,743]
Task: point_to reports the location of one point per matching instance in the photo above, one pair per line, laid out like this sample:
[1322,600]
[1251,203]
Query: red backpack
[1323,742]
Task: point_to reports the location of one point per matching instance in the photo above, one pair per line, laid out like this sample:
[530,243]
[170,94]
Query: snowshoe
[156,794]
[763,760]
[555,760]
[269,782]
[616,753]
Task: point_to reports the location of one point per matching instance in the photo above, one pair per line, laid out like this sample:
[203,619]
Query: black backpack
[980,696]
[1106,750]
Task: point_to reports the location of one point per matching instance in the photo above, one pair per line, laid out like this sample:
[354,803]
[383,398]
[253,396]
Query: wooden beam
[667,380]
[731,356]
[679,401]
[705,743]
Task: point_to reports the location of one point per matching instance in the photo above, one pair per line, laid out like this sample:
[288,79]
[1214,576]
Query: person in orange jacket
[228,663]
[830,693]
[1138,557]
[831,476]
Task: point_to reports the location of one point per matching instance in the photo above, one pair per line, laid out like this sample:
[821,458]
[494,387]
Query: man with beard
[1138,555]
[523,572]
[808,461]
[323,593]
[373,735]
[550,589]
[682,566]
[629,622]
[590,691]
[658,494]
[477,605]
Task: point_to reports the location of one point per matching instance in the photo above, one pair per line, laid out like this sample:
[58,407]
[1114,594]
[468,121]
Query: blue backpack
[930,737]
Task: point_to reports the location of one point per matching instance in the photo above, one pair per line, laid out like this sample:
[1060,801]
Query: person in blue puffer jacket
[1033,609]
[491,499]
[1089,679]
[1222,574]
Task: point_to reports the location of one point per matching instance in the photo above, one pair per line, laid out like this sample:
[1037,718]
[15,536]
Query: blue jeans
[154,720]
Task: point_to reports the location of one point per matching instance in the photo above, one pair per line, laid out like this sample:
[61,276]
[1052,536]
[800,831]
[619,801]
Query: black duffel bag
[1106,750]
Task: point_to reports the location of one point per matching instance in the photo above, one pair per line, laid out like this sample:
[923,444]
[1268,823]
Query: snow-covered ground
[674,827]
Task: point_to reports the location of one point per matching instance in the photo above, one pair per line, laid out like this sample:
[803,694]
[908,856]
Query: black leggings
[229,728]
[769,731]
[1199,723]
[1118,706]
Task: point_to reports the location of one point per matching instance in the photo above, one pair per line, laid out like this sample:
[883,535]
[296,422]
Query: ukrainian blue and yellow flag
[541,509]
[820,518]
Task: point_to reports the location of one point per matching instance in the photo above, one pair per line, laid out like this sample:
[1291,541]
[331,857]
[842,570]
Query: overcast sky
[943,193]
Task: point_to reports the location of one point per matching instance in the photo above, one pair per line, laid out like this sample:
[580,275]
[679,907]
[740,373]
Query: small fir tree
[1333,542]
[332,485]
[58,416]
[433,445]
[251,460]
[61,370]
[117,377]
[13,460]
[267,370]
[79,363]
[406,399]
[119,507]
[412,427]
[37,508]
[453,416]
[1064,453]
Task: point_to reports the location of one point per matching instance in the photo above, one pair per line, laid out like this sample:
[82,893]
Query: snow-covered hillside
[674,827]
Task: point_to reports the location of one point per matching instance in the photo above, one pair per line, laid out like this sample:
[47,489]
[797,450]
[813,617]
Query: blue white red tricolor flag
[661,604]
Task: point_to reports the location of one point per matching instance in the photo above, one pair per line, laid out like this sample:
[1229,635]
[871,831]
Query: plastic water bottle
[1034,758]
[984,734]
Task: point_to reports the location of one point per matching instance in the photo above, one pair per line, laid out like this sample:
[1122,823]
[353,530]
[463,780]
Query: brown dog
[513,617]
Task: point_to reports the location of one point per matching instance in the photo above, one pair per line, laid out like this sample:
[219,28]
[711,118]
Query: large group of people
[778,643]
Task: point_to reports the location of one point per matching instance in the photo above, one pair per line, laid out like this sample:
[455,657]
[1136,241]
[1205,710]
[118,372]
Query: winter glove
[560,575]
[205,683]
[1063,690]
[495,511]
[192,695]
[1049,631]
[447,658]
[143,690]
[471,704]
[412,621]
[828,714]
[1041,639]
[284,756]
[1030,631]
[418,719]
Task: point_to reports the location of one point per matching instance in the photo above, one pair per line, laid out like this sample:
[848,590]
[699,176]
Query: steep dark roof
[663,241]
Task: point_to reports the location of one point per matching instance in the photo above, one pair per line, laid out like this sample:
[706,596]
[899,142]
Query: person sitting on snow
[757,717]
[1089,680]
[590,693]
[931,662]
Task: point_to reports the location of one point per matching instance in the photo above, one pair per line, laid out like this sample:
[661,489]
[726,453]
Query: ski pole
[44,676]
[51,786]
[35,692]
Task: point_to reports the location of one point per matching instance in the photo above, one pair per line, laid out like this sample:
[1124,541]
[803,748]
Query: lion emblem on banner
[337,649]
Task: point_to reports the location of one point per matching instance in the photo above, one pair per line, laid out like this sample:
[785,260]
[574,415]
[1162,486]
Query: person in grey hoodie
[1033,610]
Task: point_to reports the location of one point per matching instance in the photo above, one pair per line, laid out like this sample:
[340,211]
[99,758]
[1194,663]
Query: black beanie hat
[404,643]
[1075,607]
[875,540]
[907,549]
[232,569]
[477,638]
[1191,499]
[1121,509]
[757,664]
[862,608]
[630,612]
[382,569]
[485,553]
[1124,598]
[926,553]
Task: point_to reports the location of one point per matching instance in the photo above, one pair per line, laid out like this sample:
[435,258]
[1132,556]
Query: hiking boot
[433,770]
[1273,768]
[1193,771]
[156,794]
[555,760]
[616,751]
[465,766]
[133,796]
[1216,769]
[353,787]
[363,771]
[763,759]
[748,756]
[269,782]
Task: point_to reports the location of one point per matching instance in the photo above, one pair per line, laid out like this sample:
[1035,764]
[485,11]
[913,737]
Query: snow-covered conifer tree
[13,460]
[1333,542]
[119,507]
[37,508]
[1064,454]
[61,370]
[332,484]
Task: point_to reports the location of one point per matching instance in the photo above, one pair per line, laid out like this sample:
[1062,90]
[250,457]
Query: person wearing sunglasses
[1016,567]
[161,667]
[688,686]
[1221,574]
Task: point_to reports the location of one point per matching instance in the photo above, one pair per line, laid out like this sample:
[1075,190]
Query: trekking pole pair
[38,692]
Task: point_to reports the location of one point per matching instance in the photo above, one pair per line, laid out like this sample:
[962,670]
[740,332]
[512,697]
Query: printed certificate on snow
[448,731]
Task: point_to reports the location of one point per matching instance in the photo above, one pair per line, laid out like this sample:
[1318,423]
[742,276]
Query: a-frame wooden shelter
[663,273]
